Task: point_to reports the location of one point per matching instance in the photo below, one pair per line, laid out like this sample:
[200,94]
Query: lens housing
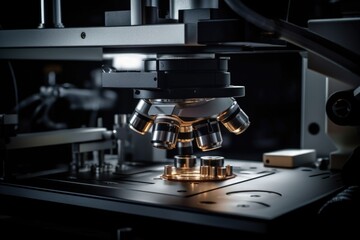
[235,119]
[140,123]
[207,134]
[165,132]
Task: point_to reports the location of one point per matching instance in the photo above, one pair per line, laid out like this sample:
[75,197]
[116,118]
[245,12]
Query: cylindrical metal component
[229,170]
[235,119]
[215,161]
[143,106]
[144,12]
[208,135]
[186,134]
[165,132]
[168,169]
[176,5]
[185,148]
[184,162]
[184,141]
[204,171]
[221,172]
[140,123]
[42,14]
[120,120]
[57,14]
[136,8]
[213,172]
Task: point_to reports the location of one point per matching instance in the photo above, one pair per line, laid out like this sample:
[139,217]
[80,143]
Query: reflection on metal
[185,169]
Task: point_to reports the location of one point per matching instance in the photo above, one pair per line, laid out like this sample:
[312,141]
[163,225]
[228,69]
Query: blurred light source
[127,61]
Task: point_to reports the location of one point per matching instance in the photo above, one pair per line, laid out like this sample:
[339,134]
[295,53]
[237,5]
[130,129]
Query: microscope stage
[255,197]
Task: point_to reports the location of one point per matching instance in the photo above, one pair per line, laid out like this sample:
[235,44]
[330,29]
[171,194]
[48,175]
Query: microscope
[191,96]
[175,58]
[183,97]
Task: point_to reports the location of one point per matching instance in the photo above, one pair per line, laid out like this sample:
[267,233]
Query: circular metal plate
[182,93]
